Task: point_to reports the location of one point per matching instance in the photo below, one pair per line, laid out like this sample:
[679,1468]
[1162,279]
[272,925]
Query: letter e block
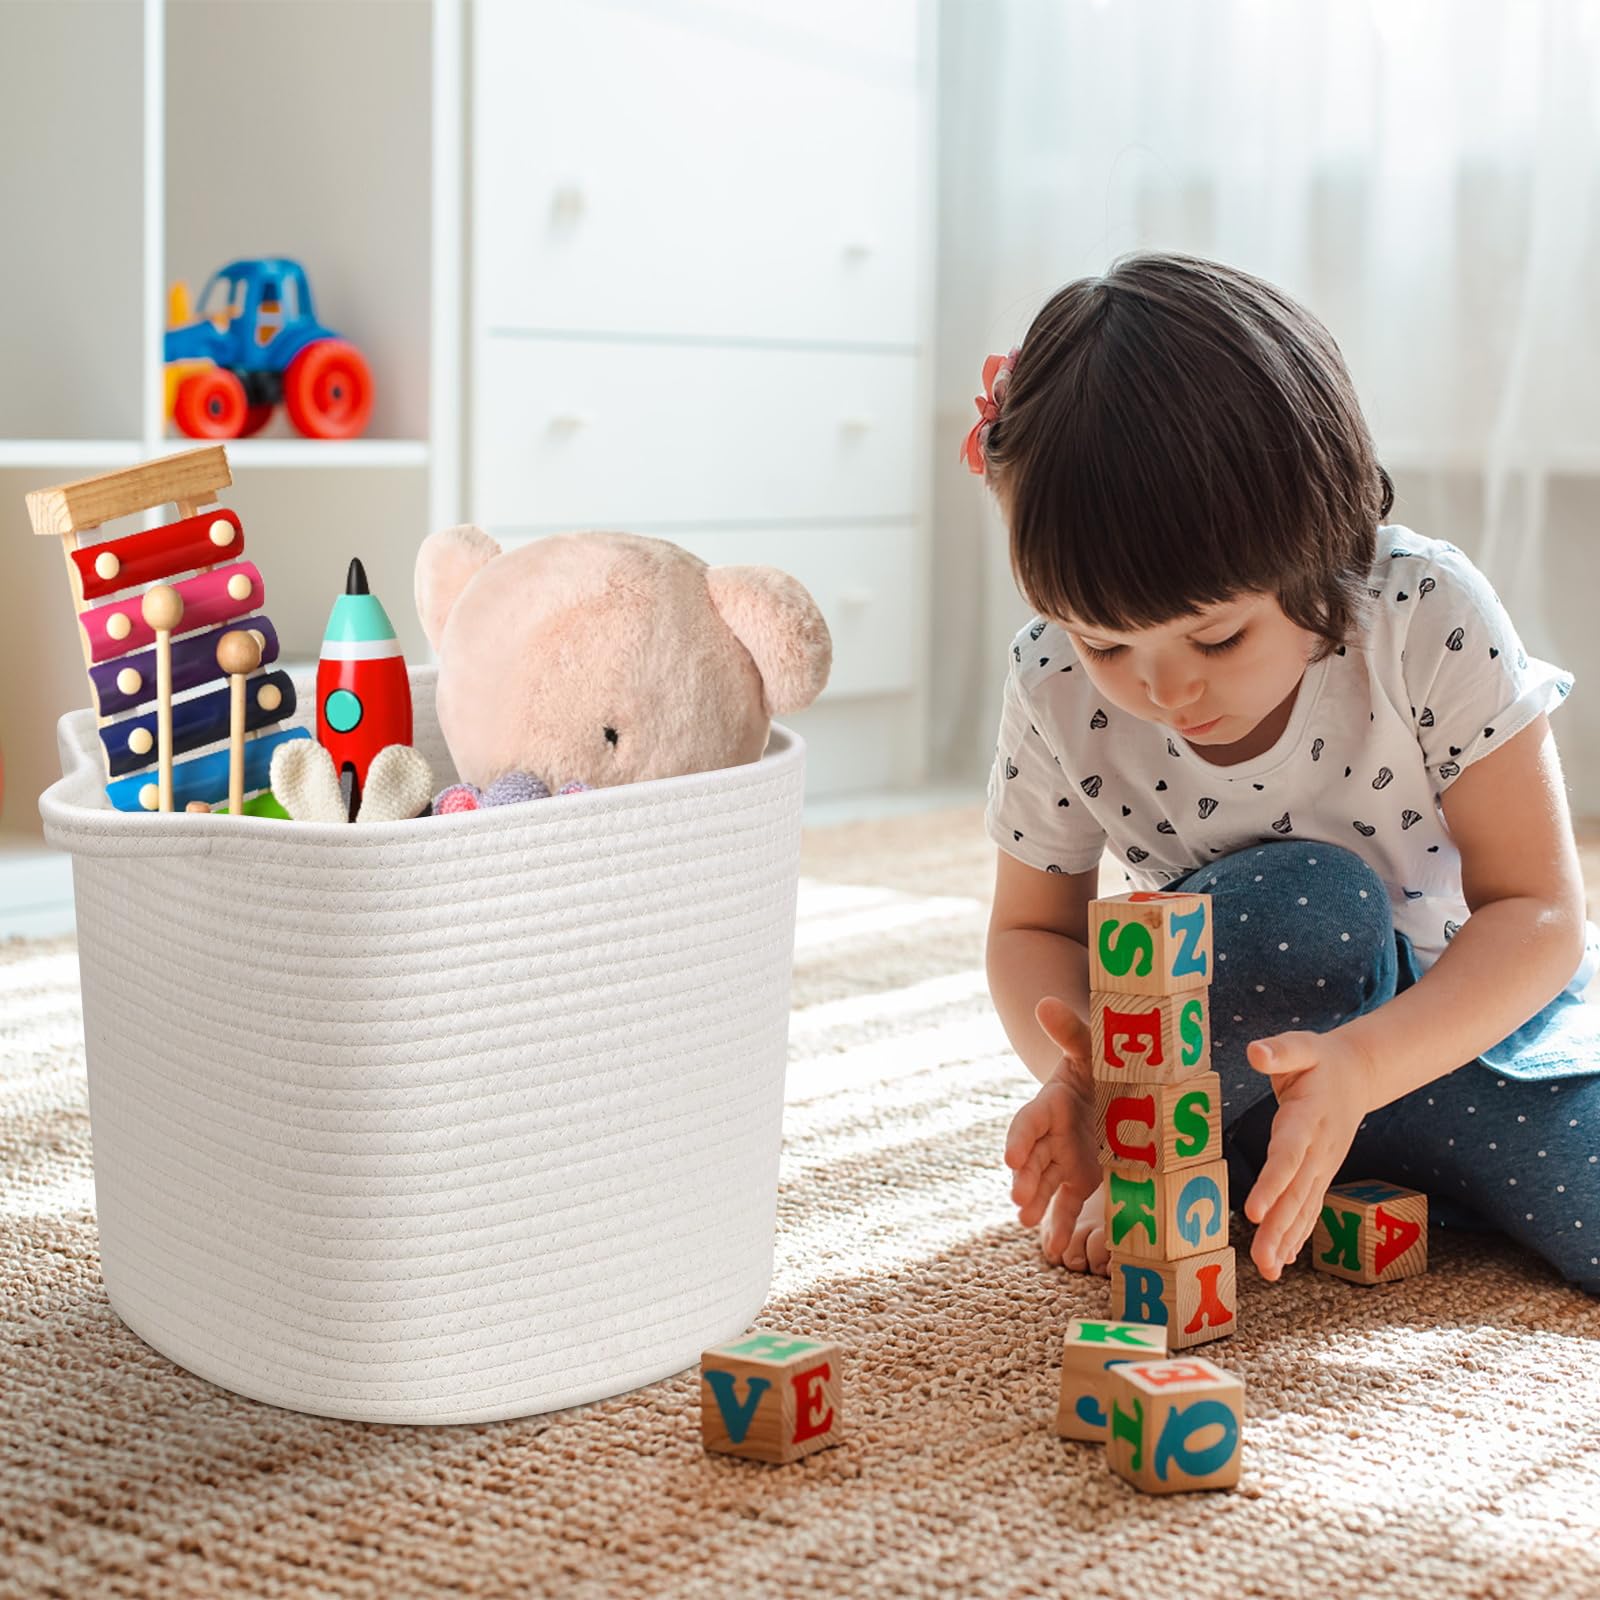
[1150,943]
[1092,1347]
[1149,1038]
[1162,1216]
[1371,1232]
[1174,1425]
[1193,1299]
[770,1396]
[1159,1127]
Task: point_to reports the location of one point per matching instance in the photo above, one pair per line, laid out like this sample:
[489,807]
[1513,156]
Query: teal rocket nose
[357,616]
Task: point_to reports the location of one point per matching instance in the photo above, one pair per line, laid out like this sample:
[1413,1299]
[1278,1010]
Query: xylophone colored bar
[203,777]
[116,628]
[140,558]
[198,721]
[130,681]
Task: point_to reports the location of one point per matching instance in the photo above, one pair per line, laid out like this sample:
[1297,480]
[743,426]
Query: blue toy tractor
[257,341]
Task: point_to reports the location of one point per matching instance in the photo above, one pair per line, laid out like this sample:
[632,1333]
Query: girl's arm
[1521,880]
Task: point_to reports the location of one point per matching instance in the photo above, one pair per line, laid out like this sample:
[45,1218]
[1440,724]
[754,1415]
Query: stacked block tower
[1158,1115]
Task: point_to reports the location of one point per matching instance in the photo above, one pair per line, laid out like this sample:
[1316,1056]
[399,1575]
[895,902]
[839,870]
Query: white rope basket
[445,1120]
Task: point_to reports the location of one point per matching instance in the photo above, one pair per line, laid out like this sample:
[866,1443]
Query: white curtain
[1422,174]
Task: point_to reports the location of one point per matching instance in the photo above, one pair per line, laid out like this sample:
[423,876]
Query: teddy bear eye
[611,735]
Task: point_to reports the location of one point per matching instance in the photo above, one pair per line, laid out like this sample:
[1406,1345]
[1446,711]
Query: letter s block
[1194,1299]
[1149,1038]
[1159,1127]
[1174,1425]
[770,1396]
[1163,1216]
[1371,1232]
[1091,1348]
[1150,943]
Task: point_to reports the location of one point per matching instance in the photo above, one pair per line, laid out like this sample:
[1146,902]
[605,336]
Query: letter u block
[1150,1038]
[1175,1425]
[1091,1349]
[1158,1127]
[1371,1232]
[1163,1216]
[1194,1299]
[1150,943]
[770,1396]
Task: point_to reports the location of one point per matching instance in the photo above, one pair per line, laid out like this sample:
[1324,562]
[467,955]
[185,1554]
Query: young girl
[1245,683]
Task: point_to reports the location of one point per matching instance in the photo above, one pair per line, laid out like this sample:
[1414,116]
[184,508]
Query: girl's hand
[1051,1142]
[1324,1087]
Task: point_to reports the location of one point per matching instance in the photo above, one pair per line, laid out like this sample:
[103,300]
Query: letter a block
[1091,1349]
[1371,1232]
[1150,1038]
[1159,1127]
[1193,1299]
[1150,943]
[1163,1216]
[1174,1425]
[770,1396]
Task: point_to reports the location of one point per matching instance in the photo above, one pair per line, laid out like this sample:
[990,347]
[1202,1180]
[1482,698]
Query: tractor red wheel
[255,419]
[328,390]
[210,405]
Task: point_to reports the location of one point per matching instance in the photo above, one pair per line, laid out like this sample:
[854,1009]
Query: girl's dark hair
[1176,433]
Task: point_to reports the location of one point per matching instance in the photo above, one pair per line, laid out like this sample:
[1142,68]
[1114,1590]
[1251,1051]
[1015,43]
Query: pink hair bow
[996,377]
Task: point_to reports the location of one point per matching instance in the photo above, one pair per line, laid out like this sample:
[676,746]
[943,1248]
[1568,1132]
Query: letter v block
[1175,1425]
[1371,1232]
[1162,1216]
[770,1396]
[1193,1299]
[1150,943]
[1149,1038]
[1091,1348]
[1159,1127]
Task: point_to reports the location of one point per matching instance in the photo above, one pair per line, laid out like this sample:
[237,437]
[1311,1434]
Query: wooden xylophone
[152,609]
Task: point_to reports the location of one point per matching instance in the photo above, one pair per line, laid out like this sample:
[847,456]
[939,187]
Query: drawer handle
[857,597]
[857,250]
[570,421]
[568,203]
[858,423]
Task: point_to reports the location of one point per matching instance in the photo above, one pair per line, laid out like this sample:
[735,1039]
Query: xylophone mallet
[162,609]
[238,655]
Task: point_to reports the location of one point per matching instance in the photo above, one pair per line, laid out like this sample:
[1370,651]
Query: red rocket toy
[363,689]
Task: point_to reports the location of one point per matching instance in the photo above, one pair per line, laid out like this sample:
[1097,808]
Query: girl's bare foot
[1079,1243]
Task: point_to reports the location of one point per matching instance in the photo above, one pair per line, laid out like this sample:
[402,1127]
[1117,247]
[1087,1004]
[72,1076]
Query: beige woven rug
[1434,1438]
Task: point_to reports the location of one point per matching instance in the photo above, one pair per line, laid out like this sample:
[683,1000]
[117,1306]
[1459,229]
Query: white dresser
[700,267]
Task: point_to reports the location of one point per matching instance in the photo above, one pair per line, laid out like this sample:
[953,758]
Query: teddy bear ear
[445,563]
[774,617]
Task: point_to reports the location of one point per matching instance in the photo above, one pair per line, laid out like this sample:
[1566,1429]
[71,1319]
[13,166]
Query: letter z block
[1150,943]
[1193,1299]
[1092,1348]
[1149,1038]
[1371,1232]
[1175,1425]
[1163,1216]
[1159,1127]
[770,1396]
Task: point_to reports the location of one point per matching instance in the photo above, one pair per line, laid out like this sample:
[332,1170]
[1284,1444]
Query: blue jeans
[1513,1147]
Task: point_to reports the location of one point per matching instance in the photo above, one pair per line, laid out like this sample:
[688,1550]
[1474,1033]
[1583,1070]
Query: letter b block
[1162,1216]
[1174,1425]
[1371,1232]
[1193,1299]
[770,1396]
[1150,1038]
[1150,943]
[1159,1127]
[1091,1349]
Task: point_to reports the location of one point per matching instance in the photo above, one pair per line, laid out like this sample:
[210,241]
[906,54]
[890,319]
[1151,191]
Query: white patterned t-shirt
[1379,730]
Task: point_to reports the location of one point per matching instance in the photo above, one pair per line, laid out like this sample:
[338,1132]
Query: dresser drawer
[638,174]
[587,434]
[865,580]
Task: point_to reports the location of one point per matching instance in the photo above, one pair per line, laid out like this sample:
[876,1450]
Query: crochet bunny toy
[584,660]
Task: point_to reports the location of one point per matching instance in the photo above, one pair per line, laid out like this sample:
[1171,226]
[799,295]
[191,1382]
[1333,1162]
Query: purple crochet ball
[573,788]
[512,788]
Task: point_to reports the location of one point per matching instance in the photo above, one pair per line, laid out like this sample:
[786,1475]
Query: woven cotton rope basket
[445,1120]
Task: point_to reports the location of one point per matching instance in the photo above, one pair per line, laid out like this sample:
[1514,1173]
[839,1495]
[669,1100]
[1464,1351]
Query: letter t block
[770,1396]
[1176,1424]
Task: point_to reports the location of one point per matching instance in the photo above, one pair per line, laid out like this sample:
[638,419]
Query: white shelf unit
[327,130]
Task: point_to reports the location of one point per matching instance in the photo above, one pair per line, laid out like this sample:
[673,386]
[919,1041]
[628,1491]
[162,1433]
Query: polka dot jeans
[1303,938]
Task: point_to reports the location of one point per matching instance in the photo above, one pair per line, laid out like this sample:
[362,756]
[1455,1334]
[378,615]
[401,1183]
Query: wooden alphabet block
[770,1396]
[1157,1127]
[1371,1232]
[1175,1425]
[1194,1298]
[1091,1348]
[1149,1038]
[1150,943]
[1163,1216]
